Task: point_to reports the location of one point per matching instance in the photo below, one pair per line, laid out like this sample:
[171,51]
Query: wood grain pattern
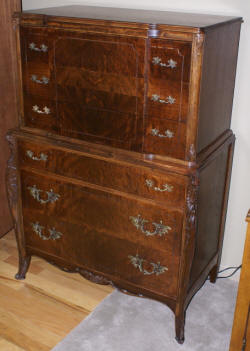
[8,109]
[240,338]
[32,311]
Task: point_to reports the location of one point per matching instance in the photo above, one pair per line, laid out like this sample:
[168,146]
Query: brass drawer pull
[165,187]
[137,262]
[43,47]
[53,234]
[139,223]
[167,133]
[169,100]
[41,157]
[35,193]
[43,80]
[44,111]
[171,63]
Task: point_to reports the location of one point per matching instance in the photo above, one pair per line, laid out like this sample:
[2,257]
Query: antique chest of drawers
[120,167]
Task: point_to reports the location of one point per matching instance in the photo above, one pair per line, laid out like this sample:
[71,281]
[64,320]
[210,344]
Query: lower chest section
[123,226]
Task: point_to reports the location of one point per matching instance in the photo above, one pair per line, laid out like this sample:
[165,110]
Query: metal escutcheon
[138,262]
[139,223]
[35,193]
[53,234]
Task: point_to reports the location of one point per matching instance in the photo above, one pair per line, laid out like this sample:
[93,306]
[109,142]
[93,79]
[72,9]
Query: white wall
[239,199]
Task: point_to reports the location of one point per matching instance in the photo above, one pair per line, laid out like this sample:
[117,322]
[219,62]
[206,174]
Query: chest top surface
[202,21]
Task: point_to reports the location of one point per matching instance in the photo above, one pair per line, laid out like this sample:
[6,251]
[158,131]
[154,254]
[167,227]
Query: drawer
[165,138]
[138,221]
[38,80]
[35,46]
[166,187]
[169,71]
[40,113]
[92,249]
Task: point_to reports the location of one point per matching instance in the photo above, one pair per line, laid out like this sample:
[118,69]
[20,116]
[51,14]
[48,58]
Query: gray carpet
[127,323]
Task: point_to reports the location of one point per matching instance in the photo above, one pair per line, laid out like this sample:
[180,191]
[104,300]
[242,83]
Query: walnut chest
[120,167]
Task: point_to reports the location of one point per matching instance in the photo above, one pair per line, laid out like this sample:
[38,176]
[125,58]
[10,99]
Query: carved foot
[213,274]
[179,328]
[23,267]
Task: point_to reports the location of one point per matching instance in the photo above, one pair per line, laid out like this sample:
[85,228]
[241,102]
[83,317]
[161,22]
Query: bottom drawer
[154,270]
[165,137]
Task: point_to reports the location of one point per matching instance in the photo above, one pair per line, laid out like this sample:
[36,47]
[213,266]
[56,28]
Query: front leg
[24,263]
[179,327]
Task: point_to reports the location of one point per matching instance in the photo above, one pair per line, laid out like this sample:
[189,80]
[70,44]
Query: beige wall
[239,199]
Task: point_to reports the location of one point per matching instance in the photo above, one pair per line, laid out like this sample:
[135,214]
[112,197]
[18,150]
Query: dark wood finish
[218,75]
[240,338]
[112,181]
[8,109]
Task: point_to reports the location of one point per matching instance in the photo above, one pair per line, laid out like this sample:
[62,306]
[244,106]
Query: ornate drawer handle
[43,80]
[45,110]
[43,47]
[167,133]
[42,156]
[53,234]
[137,262]
[166,187]
[169,100]
[157,61]
[139,223]
[35,193]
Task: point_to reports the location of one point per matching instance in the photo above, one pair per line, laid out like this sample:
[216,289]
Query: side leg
[24,263]
[179,327]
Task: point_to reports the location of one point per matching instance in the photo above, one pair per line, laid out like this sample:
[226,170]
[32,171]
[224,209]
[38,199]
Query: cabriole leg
[23,267]
[179,327]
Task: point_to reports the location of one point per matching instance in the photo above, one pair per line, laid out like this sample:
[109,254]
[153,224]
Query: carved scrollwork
[11,175]
[191,203]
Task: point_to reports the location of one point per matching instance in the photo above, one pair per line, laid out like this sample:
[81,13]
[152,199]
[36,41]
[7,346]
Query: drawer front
[35,46]
[169,188]
[138,221]
[169,70]
[93,249]
[165,138]
[40,113]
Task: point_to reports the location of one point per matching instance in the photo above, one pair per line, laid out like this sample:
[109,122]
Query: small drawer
[127,178]
[170,60]
[39,81]
[138,221]
[35,45]
[40,113]
[92,249]
[165,138]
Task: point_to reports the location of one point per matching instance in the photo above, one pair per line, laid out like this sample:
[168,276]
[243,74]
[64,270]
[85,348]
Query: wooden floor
[36,313]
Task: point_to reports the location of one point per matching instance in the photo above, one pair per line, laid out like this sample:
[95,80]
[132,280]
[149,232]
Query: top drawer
[35,46]
[141,181]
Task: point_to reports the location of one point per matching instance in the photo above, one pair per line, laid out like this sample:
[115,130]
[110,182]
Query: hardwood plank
[32,311]
[8,346]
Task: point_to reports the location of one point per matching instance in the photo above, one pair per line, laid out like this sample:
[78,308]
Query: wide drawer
[139,221]
[93,249]
[124,177]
